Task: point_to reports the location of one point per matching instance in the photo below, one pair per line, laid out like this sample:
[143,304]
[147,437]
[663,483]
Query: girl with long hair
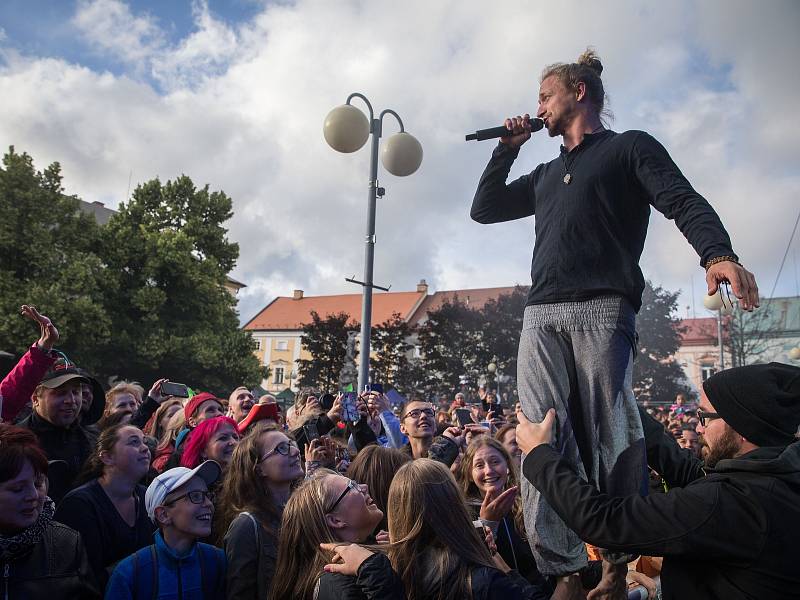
[329,508]
[434,547]
[259,479]
[157,424]
[489,480]
[213,439]
[375,466]
[108,511]
[166,443]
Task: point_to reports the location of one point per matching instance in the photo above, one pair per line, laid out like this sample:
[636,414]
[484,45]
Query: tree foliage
[140,298]
[657,375]
[48,258]
[391,364]
[326,341]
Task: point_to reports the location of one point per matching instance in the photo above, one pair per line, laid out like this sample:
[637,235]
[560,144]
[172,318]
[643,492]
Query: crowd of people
[132,494]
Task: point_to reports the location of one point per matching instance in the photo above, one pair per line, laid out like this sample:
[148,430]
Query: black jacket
[56,569]
[251,554]
[729,534]
[375,581]
[72,445]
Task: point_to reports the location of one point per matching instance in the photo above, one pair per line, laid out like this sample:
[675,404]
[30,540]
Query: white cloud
[241,107]
[111,27]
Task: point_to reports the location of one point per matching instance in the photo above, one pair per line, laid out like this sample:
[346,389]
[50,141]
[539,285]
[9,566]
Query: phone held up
[374,387]
[349,409]
[180,390]
[311,432]
[464,416]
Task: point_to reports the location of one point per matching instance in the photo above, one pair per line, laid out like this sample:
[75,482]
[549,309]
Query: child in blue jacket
[177,566]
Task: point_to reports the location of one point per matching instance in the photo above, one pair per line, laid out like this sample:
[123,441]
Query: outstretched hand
[530,435]
[48,332]
[742,281]
[347,558]
[496,505]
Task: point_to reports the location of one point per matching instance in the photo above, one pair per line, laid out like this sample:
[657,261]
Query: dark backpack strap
[154,557]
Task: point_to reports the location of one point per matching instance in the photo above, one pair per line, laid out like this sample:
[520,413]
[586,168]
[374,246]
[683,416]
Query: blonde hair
[303,529]
[154,430]
[123,387]
[586,69]
[432,550]
[174,425]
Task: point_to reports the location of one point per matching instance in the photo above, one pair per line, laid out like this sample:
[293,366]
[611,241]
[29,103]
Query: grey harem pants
[577,357]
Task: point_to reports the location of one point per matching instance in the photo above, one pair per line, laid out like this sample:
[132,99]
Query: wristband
[727,258]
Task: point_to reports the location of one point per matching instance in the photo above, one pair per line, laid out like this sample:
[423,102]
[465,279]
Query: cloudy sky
[233,93]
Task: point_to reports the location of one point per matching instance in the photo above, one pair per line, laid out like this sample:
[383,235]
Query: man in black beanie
[727,528]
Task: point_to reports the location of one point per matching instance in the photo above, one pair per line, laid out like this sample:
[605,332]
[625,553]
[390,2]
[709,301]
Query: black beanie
[760,402]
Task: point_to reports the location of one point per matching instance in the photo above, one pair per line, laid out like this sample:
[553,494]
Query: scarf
[14,546]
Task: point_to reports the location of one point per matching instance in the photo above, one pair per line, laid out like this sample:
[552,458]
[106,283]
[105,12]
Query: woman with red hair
[213,439]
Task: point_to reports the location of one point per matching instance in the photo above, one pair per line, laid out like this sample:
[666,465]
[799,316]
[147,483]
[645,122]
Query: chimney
[98,203]
[298,295]
[422,287]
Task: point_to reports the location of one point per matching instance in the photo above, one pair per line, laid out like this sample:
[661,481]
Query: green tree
[326,341]
[167,255]
[502,318]
[48,259]
[391,364]
[452,345]
[657,375]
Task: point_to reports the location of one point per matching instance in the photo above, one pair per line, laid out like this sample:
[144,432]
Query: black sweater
[108,538]
[590,233]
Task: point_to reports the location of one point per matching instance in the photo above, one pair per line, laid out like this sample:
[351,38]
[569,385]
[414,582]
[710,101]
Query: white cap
[171,480]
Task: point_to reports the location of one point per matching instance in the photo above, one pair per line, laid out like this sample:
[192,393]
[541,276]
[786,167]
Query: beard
[727,446]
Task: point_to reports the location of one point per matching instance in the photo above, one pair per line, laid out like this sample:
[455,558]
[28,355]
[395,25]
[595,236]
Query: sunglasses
[351,485]
[195,497]
[704,416]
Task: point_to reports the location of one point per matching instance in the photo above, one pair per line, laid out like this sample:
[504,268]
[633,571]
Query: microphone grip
[498,132]
[488,134]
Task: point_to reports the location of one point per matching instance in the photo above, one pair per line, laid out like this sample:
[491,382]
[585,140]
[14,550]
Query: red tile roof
[474,298]
[699,332]
[285,313]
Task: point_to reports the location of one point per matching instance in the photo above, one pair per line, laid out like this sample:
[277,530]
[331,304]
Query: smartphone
[326,401]
[464,416]
[311,432]
[179,390]
[374,387]
[349,408]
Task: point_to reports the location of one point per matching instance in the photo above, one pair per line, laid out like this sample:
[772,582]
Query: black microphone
[502,131]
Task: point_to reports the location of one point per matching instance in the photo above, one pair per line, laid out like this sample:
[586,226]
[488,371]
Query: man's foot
[612,585]
[569,587]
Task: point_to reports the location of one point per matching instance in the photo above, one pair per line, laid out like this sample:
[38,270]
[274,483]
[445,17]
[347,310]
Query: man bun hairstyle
[587,69]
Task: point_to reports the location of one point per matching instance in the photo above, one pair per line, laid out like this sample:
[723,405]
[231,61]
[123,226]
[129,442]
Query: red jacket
[18,386]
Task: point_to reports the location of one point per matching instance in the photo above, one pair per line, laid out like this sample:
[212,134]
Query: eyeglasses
[195,497]
[704,416]
[284,448]
[415,414]
[351,485]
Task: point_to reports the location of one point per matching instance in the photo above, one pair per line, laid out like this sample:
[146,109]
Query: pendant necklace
[567,175]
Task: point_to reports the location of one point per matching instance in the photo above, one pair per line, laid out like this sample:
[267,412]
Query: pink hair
[199,437]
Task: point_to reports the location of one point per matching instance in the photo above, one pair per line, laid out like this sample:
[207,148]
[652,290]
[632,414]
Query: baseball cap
[169,481]
[62,371]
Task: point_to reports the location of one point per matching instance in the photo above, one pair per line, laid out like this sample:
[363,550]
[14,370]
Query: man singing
[592,205]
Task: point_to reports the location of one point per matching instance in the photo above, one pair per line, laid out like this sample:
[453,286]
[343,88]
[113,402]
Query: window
[706,371]
[278,378]
[257,344]
[282,345]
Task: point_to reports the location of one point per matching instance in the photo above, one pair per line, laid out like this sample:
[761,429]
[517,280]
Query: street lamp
[346,129]
[717,303]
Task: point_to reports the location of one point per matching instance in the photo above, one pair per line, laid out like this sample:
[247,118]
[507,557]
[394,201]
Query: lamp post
[346,129]
[717,303]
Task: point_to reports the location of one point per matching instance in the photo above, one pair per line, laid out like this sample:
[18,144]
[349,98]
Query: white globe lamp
[794,353]
[401,154]
[346,128]
[713,302]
